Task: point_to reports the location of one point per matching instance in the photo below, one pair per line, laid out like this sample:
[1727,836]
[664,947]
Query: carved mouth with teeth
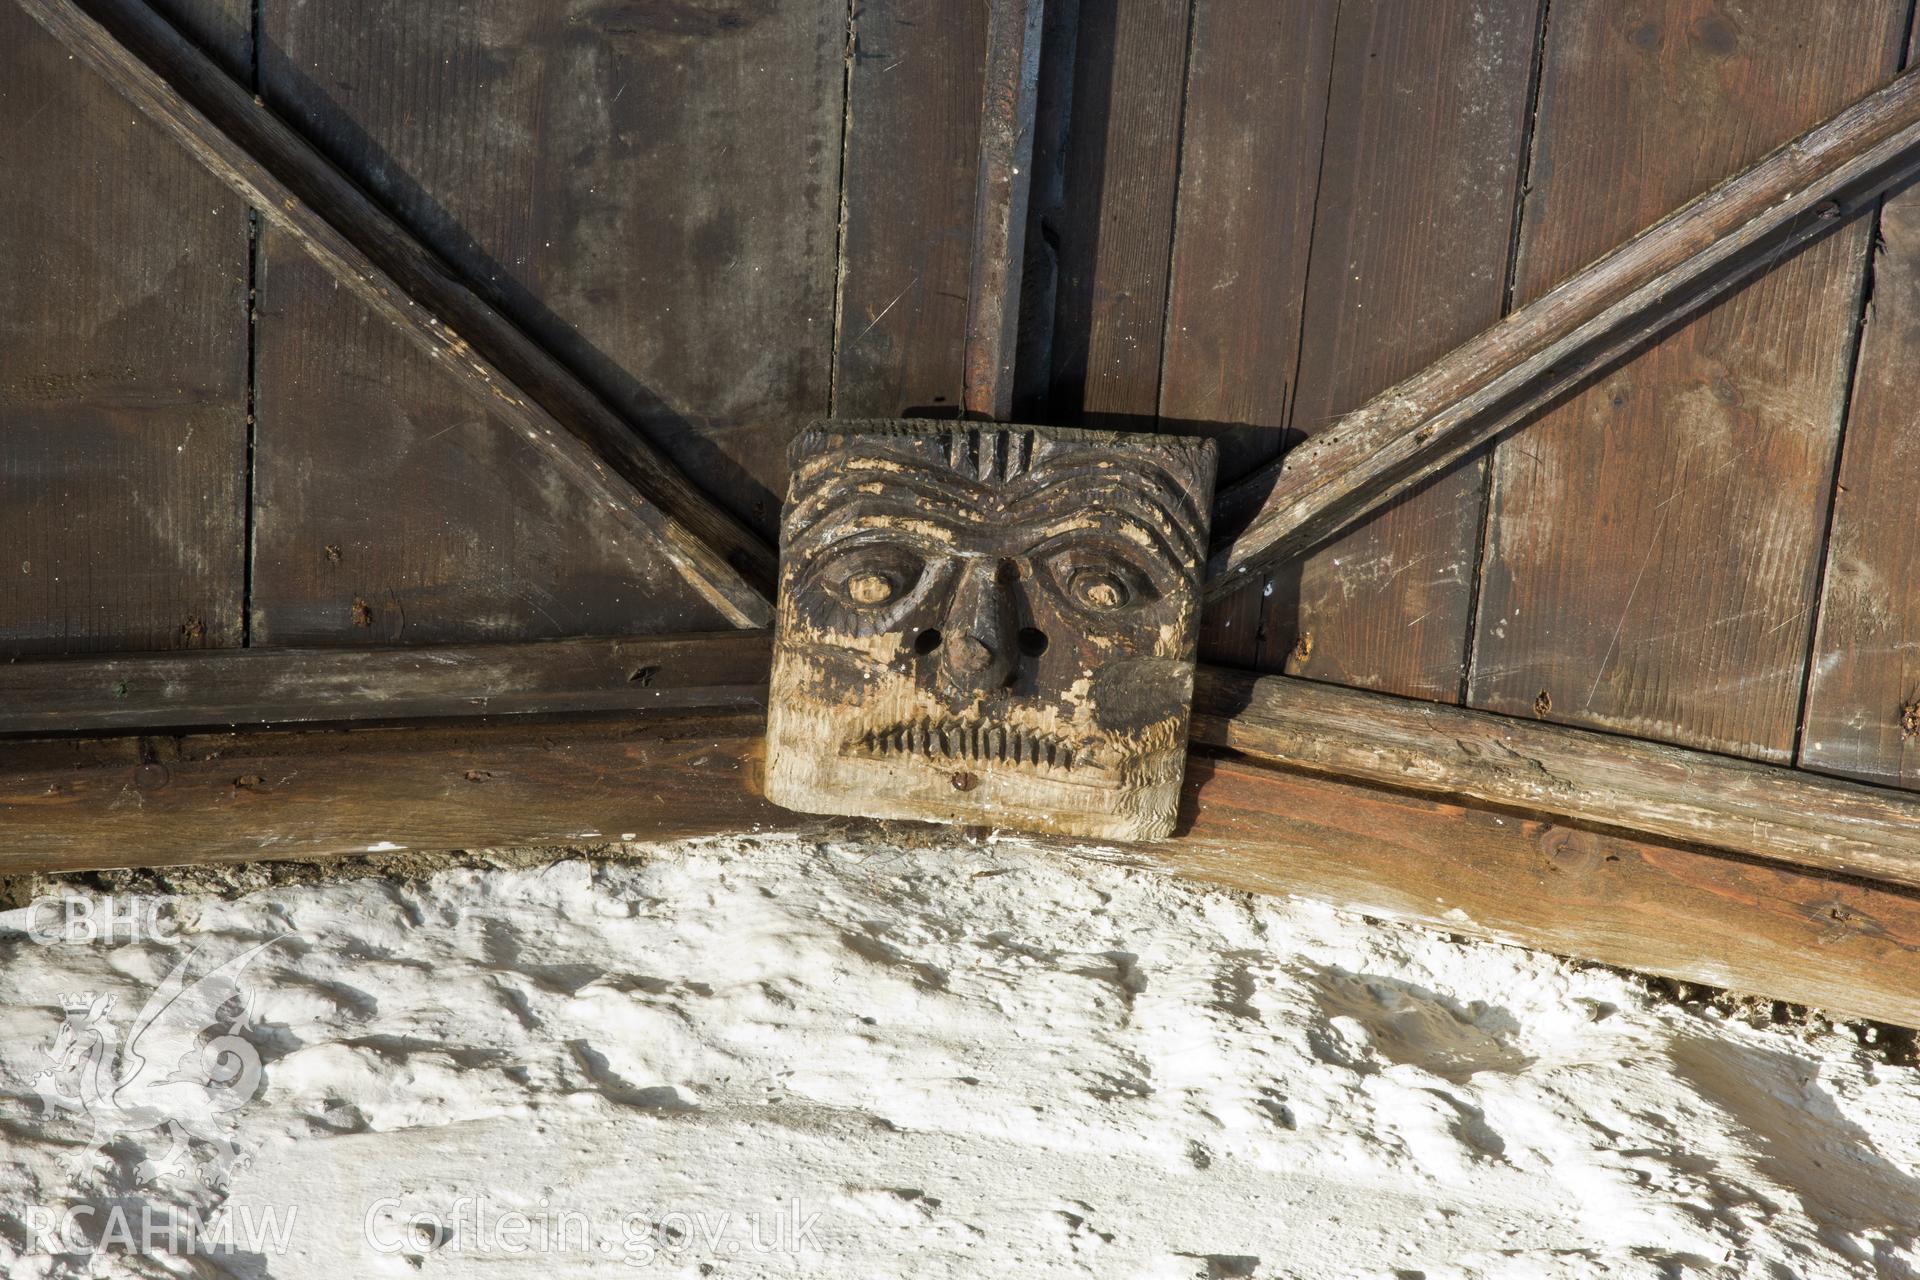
[950,741]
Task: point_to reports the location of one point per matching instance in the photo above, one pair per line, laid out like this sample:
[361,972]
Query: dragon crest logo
[181,1070]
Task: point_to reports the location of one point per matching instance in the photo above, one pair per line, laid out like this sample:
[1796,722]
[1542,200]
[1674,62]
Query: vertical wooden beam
[123,362]
[1122,167]
[1003,182]
[1426,115]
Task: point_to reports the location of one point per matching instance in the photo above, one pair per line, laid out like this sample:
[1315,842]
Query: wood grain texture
[1667,793]
[914,94]
[123,328]
[1862,714]
[1249,169]
[1839,945]
[1003,184]
[649,190]
[90,803]
[1253,128]
[1122,164]
[395,506]
[302,195]
[1425,121]
[1607,312]
[263,687]
[1655,539]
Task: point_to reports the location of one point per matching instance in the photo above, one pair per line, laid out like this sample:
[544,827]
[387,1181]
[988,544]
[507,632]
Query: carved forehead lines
[1152,490]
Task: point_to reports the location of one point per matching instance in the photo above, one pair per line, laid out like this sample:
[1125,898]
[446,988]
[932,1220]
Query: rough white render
[973,1060]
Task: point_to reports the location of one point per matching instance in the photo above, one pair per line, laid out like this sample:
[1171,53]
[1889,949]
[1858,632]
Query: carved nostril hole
[1032,641]
[927,641]
[1007,574]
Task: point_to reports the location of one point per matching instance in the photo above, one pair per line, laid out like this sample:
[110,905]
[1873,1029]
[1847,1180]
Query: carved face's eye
[1100,589]
[1100,581]
[870,577]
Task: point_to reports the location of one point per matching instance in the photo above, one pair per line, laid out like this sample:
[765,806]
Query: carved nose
[977,652]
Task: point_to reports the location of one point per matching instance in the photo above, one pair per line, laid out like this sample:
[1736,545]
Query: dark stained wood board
[1010,102]
[395,506]
[1862,715]
[1654,541]
[1426,118]
[1211,149]
[651,191]
[123,328]
[297,191]
[1249,170]
[914,93]
[1121,165]
[1510,373]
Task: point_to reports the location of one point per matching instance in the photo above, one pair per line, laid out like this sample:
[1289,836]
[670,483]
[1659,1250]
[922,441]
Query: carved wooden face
[990,625]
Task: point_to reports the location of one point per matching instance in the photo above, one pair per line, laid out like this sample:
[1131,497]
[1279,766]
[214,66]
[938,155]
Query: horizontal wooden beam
[1571,775]
[1777,930]
[145,801]
[242,143]
[1670,271]
[251,688]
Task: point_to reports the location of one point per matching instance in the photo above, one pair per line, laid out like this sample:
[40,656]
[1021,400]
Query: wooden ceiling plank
[367,251]
[123,364]
[909,183]
[1426,121]
[1250,146]
[1654,539]
[1862,712]
[1605,311]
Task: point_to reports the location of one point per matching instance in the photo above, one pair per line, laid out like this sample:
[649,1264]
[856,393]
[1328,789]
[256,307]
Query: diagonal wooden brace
[273,168]
[1671,271]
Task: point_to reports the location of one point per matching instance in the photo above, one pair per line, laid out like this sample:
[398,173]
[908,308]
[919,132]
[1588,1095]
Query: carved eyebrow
[1164,509]
[1111,527]
[1039,523]
[1143,490]
[901,497]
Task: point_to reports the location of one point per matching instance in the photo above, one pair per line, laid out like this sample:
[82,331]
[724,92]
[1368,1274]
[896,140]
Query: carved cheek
[831,675]
[1132,694]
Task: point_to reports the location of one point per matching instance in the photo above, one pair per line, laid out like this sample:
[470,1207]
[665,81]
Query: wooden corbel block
[988,624]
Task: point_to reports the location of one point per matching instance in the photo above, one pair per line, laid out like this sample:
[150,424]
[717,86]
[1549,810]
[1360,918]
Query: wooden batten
[242,688]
